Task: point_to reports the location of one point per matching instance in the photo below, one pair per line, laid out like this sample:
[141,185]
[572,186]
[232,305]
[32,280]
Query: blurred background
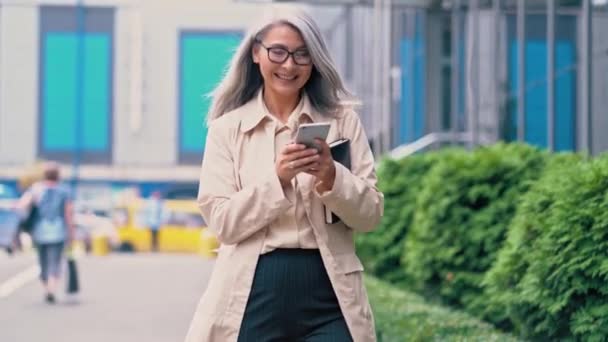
[115,90]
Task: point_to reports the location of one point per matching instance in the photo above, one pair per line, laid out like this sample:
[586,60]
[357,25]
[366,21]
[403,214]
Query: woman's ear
[255,54]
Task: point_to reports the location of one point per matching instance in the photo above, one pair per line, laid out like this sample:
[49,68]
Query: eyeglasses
[279,55]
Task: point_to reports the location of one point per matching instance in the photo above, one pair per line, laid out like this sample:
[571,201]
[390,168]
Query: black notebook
[340,152]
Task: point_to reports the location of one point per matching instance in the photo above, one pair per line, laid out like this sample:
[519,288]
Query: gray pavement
[11,265]
[124,297]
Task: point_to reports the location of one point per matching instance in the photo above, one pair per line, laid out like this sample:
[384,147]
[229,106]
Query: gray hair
[243,79]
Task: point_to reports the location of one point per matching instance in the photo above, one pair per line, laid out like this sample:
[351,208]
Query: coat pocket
[350,271]
[348,263]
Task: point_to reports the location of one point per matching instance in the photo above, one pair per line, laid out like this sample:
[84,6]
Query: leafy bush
[464,209]
[513,260]
[401,317]
[551,279]
[400,181]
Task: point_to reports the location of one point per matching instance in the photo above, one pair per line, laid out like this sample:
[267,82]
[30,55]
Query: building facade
[116,89]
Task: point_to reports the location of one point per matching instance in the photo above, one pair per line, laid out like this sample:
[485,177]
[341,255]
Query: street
[123,297]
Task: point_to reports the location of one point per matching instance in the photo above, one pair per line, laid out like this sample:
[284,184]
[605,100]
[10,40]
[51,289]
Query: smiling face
[284,74]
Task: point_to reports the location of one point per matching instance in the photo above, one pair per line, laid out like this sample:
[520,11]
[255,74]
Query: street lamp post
[80,84]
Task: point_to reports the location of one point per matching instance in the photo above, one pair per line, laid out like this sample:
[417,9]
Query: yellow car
[183,229]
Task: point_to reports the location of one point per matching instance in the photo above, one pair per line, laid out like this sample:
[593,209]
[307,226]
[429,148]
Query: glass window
[185,219]
[76,83]
[413,81]
[204,57]
[536,114]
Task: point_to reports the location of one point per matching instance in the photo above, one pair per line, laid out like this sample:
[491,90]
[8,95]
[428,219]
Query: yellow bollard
[100,246]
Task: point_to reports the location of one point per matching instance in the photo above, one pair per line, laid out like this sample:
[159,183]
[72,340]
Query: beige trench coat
[240,195]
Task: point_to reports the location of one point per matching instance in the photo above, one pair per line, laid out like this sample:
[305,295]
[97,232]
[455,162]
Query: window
[204,57]
[75,86]
[413,81]
[536,115]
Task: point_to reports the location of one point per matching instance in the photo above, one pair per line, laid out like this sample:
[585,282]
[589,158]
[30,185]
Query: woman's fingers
[303,162]
[301,154]
[292,148]
[296,158]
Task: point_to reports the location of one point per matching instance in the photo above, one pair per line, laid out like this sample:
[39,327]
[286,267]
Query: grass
[402,316]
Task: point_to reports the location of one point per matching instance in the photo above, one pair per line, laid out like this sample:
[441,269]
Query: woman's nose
[289,62]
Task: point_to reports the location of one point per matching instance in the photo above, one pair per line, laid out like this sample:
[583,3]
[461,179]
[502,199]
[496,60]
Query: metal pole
[386,79]
[411,28]
[1,71]
[474,67]
[349,43]
[521,71]
[497,74]
[377,68]
[551,74]
[80,84]
[455,61]
[586,76]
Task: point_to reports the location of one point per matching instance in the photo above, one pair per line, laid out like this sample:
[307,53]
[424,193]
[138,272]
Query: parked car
[93,224]
[183,229]
[9,218]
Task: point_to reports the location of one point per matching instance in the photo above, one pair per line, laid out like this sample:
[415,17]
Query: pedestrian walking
[53,226]
[154,216]
[282,272]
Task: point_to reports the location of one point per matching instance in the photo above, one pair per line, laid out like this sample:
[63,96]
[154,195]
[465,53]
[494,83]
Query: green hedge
[463,211]
[551,279]
[517,236]
[402,317]
[401,182]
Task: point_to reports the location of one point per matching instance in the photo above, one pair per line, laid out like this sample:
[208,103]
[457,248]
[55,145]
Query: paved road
[124,297]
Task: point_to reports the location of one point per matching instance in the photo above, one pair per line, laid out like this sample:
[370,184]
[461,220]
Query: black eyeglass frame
[289,54]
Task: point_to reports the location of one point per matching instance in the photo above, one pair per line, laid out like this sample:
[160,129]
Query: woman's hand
[295,158]
[325,170]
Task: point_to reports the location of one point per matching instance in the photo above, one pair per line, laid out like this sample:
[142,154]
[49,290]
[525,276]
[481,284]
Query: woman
[282,273]
[52,224]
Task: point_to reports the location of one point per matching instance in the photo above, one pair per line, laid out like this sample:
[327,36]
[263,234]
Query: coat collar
[255,112]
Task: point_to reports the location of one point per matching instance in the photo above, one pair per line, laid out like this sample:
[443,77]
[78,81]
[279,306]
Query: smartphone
[307,133]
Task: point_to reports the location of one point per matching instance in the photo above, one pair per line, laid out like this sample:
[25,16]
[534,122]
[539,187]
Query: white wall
[155,141]
[18,84]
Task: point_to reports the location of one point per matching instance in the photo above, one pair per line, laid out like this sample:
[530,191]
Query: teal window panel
[565,92]
[413,85]
[536,111]
[536,115]
[204,59]
[536,103]
[60,92]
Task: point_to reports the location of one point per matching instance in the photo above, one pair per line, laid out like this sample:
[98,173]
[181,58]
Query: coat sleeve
[354,196]
[233,214]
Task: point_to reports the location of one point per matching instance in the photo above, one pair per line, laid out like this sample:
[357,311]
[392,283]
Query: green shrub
[401,316]
[501,281]
[551,278]
[400,181]
[464,209]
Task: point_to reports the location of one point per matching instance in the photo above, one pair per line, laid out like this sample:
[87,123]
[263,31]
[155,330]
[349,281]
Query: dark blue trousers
[292,300]
[49,258]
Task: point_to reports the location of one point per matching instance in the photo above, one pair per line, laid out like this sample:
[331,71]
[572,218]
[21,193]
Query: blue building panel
[75,86]
[412,113]
[59,112]
[536,111]
[204,57]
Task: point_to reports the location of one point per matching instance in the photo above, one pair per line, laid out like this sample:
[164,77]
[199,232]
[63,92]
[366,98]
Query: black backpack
[46,207]
[28,223]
